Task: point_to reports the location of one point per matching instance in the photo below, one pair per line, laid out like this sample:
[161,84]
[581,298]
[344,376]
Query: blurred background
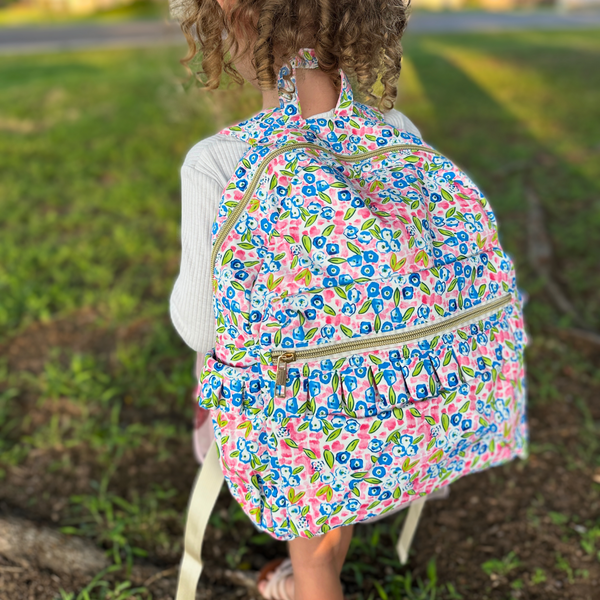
[96,412]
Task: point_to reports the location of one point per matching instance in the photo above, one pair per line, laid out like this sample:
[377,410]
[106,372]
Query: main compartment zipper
[236,213]
[282,358]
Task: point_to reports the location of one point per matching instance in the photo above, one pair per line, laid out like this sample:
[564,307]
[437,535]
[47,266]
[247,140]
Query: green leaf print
[228,256]
[307,243]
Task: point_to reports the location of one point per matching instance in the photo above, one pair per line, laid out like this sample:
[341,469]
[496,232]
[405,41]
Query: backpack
[370,334]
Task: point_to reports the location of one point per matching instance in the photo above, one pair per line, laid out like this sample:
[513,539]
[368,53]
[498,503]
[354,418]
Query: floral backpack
[370,335]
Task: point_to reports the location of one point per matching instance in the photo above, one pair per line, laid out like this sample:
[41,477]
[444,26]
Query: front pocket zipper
[236,213]
[282,358]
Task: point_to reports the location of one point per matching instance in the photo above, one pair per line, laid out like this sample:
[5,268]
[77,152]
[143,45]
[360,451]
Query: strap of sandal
[276,588]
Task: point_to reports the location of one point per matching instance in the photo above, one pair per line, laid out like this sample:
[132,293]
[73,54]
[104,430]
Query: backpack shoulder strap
[408,529]
[204,496]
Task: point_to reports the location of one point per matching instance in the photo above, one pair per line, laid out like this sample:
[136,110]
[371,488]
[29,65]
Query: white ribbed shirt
[205,173]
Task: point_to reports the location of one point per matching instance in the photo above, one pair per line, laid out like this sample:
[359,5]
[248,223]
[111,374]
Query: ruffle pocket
[448,369]
[420,378]
[228,388]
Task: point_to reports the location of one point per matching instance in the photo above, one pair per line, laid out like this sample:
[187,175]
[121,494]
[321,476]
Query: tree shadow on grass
[508,162]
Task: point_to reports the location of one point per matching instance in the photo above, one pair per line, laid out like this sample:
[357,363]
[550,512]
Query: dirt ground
[524,530]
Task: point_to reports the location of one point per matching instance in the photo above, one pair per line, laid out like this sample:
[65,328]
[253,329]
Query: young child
[362,39]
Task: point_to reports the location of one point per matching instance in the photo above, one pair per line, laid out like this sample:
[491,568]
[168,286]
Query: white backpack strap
[409,528]
[204,496]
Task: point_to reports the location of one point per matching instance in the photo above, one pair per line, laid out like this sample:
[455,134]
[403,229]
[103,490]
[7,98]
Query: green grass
[16,14]
[91,145]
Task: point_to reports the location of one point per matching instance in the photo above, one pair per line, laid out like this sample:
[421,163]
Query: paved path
[485,22]
[18,40]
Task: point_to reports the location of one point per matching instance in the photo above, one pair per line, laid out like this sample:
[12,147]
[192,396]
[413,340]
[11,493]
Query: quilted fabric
[389,238]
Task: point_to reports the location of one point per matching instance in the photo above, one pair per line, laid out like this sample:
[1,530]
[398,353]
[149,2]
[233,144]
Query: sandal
[279,570]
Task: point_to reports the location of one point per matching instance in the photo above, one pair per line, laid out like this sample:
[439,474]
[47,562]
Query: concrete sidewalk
[32,39]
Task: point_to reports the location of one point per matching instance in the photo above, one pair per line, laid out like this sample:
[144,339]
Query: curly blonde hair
[362,37]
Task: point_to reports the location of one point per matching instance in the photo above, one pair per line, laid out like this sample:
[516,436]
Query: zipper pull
[281,373]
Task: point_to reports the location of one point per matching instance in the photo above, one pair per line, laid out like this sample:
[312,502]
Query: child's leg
[317,564]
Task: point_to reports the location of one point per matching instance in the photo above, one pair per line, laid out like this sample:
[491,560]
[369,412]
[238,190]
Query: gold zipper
[285,357]
[236,213]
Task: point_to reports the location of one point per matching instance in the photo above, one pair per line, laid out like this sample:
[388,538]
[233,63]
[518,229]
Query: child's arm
[401,122]
[204,175]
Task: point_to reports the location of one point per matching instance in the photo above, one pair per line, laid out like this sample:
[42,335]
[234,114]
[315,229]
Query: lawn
[27,13]
[95,385]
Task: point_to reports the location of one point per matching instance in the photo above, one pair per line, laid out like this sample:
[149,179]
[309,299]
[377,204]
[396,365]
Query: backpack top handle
[288,91]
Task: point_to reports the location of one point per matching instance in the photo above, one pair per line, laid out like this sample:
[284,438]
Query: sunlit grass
[23,13]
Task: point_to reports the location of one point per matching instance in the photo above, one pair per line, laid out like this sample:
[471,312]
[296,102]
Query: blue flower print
[356,464]
[315,424]
[351,232]
[375,445]
[288,476]
[355,260]
[348,309]
[385,459]
[433,471]
[405,447]
[352,426]
[373,290]
[350,383]
[501,413]
[338,486]
[364,237]
[353,295]
[377,305]
[333,402]
[423,311]
[342,457]
[317,301]
[314,208]
[338,422]
[353,505]
[327,331]
[246,449]
[367,271]
[314,388]
[379,472]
